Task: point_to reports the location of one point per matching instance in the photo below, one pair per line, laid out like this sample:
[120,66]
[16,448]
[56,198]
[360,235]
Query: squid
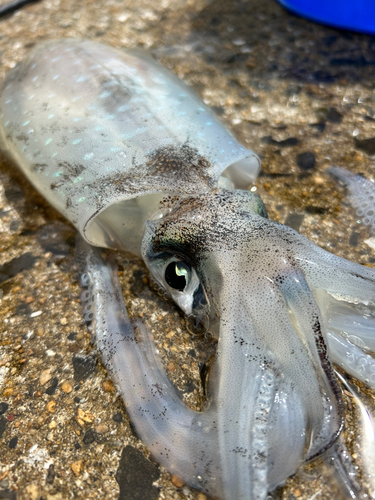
[137,162]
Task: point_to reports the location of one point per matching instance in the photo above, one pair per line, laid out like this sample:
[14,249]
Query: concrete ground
[301,96]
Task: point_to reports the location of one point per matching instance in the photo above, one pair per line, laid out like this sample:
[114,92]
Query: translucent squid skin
[136,161]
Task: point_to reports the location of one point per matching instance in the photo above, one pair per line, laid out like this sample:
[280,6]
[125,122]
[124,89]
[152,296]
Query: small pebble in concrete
[23,310]
[365,145]
[177,481]
[108,386]
[86,416]
[117,417]
[45,376]
[312,209]
[84,367]
[3,407]
[51,406]
[77,467]
[3,423]
[353,240]
[319,127]
[201,496]
[371,242]
[66,387]
[89,437]
[290,141]
[50,474]
[135,476]
[40,331]
[16,265]
[333,116]
[294,221]
[101,429]
[306,161]
[51,389]
[13,442]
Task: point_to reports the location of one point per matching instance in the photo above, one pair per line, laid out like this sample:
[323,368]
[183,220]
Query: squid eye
[177,275]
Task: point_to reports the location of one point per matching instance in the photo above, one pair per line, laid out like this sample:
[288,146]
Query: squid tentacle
[253,398]
[310,326]
[345,285]
[355,321]
[342,279]
[274,338]
[352,359]
[345,292]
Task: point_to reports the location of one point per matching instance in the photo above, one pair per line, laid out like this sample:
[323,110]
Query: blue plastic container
[355,15]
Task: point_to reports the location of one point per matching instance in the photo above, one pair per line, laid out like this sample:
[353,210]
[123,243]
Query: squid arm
[178,437]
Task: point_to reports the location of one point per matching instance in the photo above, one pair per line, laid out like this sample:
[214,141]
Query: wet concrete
[299,94]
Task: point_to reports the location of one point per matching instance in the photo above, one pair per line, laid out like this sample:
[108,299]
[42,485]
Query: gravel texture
[301,96]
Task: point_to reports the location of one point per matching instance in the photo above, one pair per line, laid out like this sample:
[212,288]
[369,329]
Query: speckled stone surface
[300,95]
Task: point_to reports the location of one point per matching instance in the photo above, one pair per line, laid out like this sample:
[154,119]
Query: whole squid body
[136,161]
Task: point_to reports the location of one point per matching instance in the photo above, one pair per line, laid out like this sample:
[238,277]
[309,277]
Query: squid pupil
[176,274]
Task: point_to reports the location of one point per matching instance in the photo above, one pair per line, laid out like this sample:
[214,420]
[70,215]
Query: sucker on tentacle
[362,194]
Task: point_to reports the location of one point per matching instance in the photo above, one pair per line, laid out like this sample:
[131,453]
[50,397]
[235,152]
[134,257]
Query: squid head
[272,388]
